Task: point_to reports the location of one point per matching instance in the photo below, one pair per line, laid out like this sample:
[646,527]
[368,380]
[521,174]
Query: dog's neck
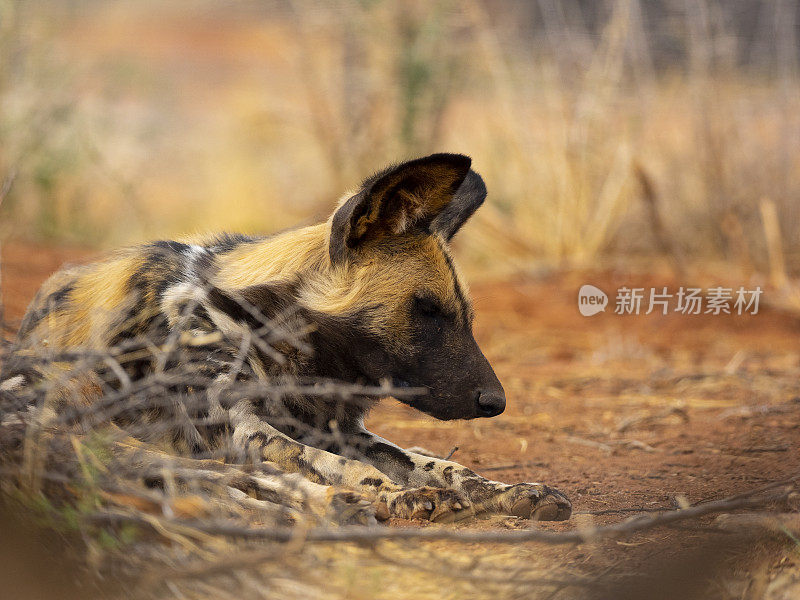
[279,258]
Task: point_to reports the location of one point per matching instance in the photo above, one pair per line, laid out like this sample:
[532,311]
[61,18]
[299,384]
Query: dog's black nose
[491,404]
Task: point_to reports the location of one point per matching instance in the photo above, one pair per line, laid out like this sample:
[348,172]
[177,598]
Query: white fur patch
[176,296]
[12,384]
[193,252]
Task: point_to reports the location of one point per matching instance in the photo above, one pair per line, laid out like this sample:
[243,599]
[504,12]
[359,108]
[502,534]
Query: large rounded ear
[415,195]
[468,197]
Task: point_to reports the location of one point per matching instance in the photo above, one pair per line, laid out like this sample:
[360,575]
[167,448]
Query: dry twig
[373,534]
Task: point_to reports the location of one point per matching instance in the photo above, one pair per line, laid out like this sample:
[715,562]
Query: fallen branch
[645,420]
[368,534]
[784,523]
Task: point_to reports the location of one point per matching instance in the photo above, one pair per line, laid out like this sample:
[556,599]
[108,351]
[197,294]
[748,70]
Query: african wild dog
[377,293]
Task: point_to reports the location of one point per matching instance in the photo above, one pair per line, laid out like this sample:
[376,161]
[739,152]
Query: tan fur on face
[385,276]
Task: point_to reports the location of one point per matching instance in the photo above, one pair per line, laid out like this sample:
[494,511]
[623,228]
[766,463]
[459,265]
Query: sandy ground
[618,412]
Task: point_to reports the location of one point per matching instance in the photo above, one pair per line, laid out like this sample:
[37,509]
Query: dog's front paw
[431,504]
[535,501]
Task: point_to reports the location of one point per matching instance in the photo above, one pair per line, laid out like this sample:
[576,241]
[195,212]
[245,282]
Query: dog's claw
[537,502]
[431,504]
[351,508]
[546,512]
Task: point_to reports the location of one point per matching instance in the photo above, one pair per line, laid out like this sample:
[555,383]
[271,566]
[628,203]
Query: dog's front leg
[530,500]
[392,498]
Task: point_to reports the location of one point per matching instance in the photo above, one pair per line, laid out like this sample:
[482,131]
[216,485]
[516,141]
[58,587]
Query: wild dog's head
[398,302]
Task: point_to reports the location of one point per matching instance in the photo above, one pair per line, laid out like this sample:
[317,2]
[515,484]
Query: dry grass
[145,522]
[124,122]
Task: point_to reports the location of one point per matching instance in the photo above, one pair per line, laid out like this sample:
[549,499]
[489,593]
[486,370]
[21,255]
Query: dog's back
[119,297]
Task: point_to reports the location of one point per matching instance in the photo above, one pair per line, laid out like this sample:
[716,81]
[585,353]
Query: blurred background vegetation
[606,130]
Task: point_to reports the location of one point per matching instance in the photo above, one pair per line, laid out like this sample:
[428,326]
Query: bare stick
[651,198]
[373,534]
[772,234]
[5,188]
[450,454]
